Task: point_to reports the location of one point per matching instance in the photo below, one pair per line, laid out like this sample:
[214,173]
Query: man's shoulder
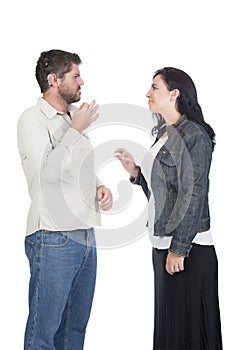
[31,115]
[30,110]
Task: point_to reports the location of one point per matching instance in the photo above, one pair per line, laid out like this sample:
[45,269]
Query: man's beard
[68,97]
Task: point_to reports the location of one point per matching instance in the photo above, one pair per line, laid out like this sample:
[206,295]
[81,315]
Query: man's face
[70,85]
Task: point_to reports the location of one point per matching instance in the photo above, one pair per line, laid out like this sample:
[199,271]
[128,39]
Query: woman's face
[159,96]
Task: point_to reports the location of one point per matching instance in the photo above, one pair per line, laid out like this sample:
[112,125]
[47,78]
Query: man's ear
[52,79]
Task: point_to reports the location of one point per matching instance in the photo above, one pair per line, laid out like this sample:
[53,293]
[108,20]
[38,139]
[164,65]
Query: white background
[121,44]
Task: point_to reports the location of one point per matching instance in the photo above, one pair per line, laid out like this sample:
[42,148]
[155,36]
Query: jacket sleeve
[140,180]
[193,179]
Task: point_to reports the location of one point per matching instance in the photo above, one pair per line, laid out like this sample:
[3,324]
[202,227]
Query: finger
[104,199]
[128,159]
[107,197]
[181,265]
[117,154]
[124,157]
[168,269]
[95,118]
[104,192]
[84,105]
[92,104]
[94,110]
[170,272]
[105,202]
[120,150]
[106,209]
[105,206]
[100,192]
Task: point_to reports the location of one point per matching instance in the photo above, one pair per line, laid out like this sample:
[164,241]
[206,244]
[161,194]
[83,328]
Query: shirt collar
[50,111]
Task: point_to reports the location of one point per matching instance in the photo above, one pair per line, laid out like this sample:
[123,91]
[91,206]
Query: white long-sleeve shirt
[59,167]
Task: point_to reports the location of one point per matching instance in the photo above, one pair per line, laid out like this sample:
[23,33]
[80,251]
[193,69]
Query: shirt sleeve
[39,155]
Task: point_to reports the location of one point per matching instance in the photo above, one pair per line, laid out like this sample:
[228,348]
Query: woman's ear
[174,94]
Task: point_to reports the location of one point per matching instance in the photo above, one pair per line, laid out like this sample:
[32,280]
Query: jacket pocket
[169,167]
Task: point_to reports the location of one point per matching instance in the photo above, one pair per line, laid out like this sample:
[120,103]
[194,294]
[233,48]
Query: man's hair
[54,62]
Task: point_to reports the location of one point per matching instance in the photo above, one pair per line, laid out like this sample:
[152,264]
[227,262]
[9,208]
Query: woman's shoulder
[189,129]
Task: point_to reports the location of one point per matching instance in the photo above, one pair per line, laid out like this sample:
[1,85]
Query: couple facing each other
[66,197]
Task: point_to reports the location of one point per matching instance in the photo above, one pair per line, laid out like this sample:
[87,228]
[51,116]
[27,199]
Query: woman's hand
[174,263]
[127,161]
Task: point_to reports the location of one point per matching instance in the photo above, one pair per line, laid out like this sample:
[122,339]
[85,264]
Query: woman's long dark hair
[187,102]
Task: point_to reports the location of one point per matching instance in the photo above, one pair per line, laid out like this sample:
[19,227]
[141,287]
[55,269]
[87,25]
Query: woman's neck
[172,118]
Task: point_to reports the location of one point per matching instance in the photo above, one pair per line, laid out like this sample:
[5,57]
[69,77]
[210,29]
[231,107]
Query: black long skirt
[187,313]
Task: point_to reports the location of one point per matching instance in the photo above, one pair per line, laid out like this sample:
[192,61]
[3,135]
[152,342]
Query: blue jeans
[63,274]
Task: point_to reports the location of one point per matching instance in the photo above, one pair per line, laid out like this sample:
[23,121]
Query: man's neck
[56,102]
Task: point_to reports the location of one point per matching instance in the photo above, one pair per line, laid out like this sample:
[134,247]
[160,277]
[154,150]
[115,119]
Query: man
[57,159]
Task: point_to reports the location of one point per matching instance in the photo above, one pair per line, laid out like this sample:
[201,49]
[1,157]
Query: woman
[175,178]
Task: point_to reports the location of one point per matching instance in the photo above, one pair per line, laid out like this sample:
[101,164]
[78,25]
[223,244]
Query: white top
[203,238]
[58,164]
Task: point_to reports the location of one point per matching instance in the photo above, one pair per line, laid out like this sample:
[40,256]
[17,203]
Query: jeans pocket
[29,244]
[55,239]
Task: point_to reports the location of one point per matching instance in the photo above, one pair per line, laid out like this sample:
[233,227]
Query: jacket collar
[172,128]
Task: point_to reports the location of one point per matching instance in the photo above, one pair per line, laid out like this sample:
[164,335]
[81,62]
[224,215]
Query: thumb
[99,193]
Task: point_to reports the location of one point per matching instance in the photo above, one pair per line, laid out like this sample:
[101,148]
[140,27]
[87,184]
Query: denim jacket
[180,184]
